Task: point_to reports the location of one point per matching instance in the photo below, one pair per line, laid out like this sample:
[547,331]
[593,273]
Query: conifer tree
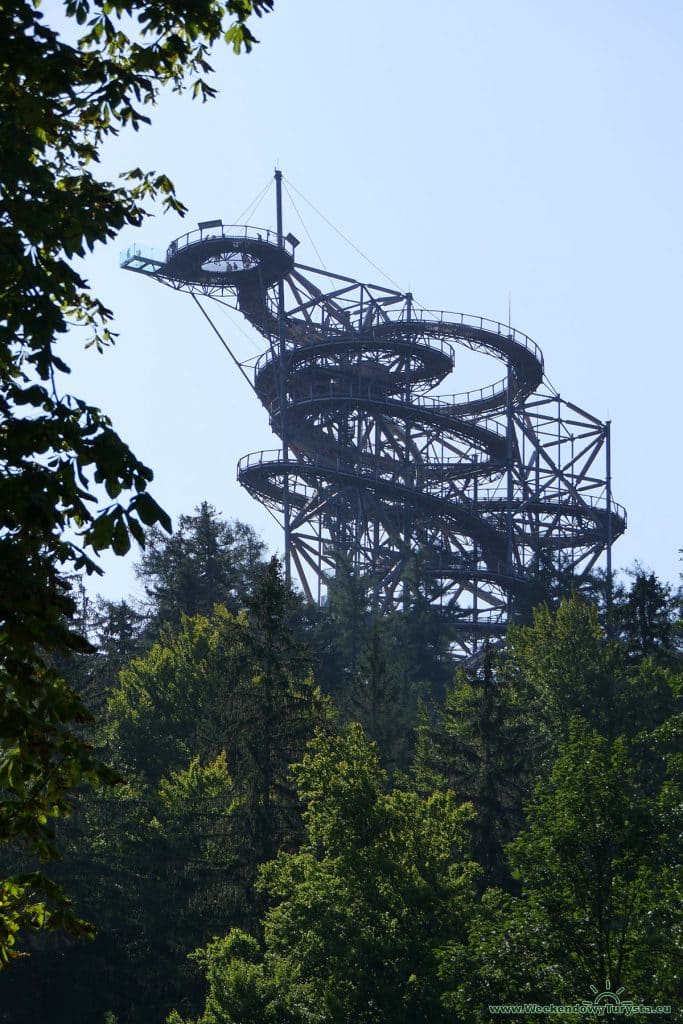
[206,562]
[478,743]
[378,665]
[644,617]
[273,712]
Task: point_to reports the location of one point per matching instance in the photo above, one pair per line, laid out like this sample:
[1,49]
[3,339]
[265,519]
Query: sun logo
[608,997]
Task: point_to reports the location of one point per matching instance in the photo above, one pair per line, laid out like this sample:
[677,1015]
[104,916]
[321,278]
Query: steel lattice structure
[481,489]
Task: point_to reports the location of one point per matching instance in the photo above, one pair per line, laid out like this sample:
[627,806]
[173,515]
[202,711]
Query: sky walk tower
[380,469]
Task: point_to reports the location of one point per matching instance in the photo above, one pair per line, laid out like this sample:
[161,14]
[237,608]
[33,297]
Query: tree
[154,865]
[377,666]
[563,665]
[118,627]
[360,913]
[600,899]
[239,683]
[342,631]
[644,616]
[206,562]
[274,712]
[382,697]
[58,103]
[479,743]
[203,727]
[234,683]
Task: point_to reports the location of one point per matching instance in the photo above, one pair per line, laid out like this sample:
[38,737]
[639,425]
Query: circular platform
[228,256]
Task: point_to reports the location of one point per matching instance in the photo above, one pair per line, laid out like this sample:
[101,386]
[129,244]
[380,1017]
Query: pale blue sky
[473,149]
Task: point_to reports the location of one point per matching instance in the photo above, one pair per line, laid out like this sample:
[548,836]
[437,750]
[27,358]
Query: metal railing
[428,342]
[375,394]
[555,498]
[496,390]
[143,252]
[440,489]
[429,319]
[482,323]
[229,232]
[361,341]
[394,473]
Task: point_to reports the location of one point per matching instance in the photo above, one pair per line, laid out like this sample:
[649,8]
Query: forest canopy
[320,817]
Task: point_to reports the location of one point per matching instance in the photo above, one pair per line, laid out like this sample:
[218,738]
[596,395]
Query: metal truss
[475,493]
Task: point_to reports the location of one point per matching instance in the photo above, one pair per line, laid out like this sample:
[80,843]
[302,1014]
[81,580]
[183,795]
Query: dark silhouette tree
[59,102]
[479,743]
[207,561]
[644,615]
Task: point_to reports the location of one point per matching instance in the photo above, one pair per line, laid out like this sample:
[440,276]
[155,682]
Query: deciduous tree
[69,486]
[360,913]
[600,899]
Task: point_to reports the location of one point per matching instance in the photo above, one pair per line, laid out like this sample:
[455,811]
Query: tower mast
[282,351]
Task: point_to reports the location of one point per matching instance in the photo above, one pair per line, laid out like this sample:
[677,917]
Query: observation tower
[381,469]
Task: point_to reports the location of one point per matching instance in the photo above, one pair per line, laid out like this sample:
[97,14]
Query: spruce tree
[207,561]
[479,743]
[644,616]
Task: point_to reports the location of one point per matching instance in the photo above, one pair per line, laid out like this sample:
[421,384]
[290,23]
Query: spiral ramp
[380,471]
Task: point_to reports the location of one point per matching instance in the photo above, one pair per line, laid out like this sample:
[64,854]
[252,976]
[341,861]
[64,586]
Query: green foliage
[239,683]
[173,701]
[422,631]
[204,727]
[560,666]
[360,911]
[599,900]
[32,902]
[237,981]
[377,666]
[58,455]
[342,631]
[369,904]
[479,743]
[644,617]
[206,562]
[564,665]
[117,629]
[195,807]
